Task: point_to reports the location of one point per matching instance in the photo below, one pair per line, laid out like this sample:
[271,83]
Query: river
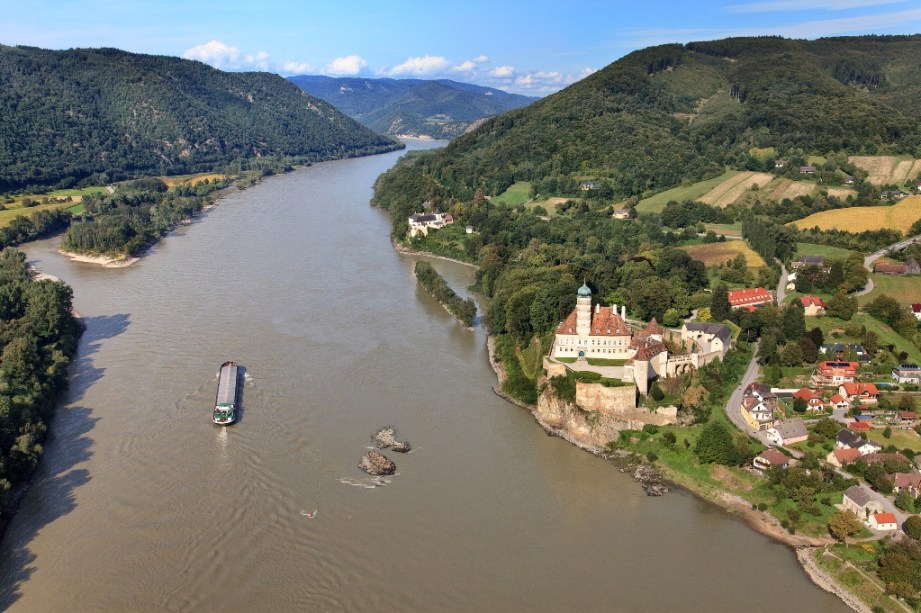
[142,504]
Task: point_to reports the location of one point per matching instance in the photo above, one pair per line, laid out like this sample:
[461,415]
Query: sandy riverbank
[407,251]
[103,260]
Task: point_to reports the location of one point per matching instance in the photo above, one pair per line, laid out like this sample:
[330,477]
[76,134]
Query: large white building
[594,333]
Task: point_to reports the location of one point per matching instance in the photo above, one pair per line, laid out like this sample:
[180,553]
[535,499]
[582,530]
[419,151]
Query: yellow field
[732,189]
[191,179]
[10,214]
[796,189]
[862,218]
[841,193]
[886,169]
[714,254]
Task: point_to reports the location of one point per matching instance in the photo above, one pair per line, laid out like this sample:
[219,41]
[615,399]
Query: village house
[866,393]
[850,440]
[779,163]
[749,297]
[812,306]
[907,481]
[621,214]
[840,351]
[883,522]
[807,170]
[860,426]
[708,337]
[837,401]
[813,401]
[916,310]
[421,223]
[809,260]
[833,374]
[859,501]
[587,186]
[911,266]
[758,405]
[889,268]
[840,457]
[881,457]
[907,418]
[787,432]
[907,373]
[770,458]
[893,194]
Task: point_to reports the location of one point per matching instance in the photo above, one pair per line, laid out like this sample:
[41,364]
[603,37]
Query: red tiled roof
[652,328]
[907,415]
[749,296]
[860,426]
[605,322]
[845,456]
[837,367]
[916,307]
[774,457]
[906,480]
[806,394]
[885,518]
[836,399]
[858,389]
[812,301]
[888,268]
[646,349]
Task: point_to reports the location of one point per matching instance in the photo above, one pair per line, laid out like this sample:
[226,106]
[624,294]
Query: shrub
[651,456]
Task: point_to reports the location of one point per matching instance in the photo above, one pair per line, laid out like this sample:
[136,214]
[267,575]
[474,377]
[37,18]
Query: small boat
[225,404]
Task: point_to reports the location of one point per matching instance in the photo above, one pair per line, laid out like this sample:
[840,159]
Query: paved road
[868,261]
[782,285]
[735,399]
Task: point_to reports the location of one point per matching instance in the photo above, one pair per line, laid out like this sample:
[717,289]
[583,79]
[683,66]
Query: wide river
[142,504]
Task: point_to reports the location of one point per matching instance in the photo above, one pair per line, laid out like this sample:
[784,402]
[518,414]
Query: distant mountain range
[107,114]
[412,107]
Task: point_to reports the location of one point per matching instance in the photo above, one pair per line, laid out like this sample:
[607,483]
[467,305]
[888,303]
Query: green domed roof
[584,290]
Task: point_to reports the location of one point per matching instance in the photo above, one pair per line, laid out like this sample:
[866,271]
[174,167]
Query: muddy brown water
[142,504]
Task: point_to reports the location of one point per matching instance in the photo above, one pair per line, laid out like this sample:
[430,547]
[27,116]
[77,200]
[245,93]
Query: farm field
[714,254]
[886,169]
[194,179]
[732,189]
[549,204]
[899,217]
[655,204]
[907,289]
[727,230]
[7,216]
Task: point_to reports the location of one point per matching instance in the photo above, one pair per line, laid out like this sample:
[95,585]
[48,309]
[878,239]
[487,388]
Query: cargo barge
[225,404]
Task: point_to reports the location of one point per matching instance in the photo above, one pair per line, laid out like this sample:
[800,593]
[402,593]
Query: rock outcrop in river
[386,438]
[377,464]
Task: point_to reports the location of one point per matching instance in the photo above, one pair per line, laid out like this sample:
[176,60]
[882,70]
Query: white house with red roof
[812,306]
[749,297]
[916,310]
[866,393]
[882,522]
[837,401]
[814,401]
[834,373]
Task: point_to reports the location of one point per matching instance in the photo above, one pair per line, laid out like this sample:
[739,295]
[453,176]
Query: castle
[602,332]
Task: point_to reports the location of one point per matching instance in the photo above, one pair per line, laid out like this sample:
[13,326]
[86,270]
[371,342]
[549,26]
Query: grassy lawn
[9,215]
[906,290]
[549,204]
[902,439]
[567,360]
[448,241]
[655,204]
[887,335]
[726,229]
[518,193]
[825,251]
[859,581]
[605,362]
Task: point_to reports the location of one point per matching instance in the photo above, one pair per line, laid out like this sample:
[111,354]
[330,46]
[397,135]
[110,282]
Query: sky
[531,47]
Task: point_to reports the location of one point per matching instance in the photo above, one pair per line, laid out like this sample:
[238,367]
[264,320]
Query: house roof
[850,439]
[806,394]
[859,495]
[858,389]
[812,301]
[774,457]
[846,367]
[605,322]
[879,458]
[791,428]
[816,260]
[860,426]
[887,267]
[907,415]
[846,456]
[837,399]
[749,296]
[884,518]
[718,330]
[916,307]
[906,480]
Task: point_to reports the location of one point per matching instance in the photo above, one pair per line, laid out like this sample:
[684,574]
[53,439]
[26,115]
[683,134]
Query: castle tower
[584,311]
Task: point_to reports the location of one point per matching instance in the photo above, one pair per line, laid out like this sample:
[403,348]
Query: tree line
[428,277]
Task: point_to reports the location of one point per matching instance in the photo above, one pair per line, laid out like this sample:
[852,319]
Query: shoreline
[408,251]
[102,260]
[758,521]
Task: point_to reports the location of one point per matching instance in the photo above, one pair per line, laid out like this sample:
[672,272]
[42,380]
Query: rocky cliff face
[588,429]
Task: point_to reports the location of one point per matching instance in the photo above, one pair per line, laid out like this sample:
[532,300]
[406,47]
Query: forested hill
[436,108]
[674,113]
[108,114]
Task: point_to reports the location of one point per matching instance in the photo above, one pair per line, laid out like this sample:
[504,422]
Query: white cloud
[348,65]
[542,83]
[480,59]
[226,57]
[467,66]
[296,68]
[502,71]
[805,5]
[424,65]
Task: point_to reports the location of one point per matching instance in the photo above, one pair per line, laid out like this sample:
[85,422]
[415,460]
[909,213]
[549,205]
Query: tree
[720,308]
[843,524]
[794,322]
[841,306]
[809,349]
[912,527]
[715,444]
[799,405]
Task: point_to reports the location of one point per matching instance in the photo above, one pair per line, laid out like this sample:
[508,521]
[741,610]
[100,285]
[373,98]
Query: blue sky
[531,47]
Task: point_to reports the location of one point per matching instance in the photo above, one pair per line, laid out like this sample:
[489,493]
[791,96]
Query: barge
[225,404]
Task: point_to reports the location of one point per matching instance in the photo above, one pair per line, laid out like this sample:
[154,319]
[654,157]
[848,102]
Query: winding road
[868,261]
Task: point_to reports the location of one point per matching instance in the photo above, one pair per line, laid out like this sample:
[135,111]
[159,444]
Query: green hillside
[435,108]
[69,115]
[671,115]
